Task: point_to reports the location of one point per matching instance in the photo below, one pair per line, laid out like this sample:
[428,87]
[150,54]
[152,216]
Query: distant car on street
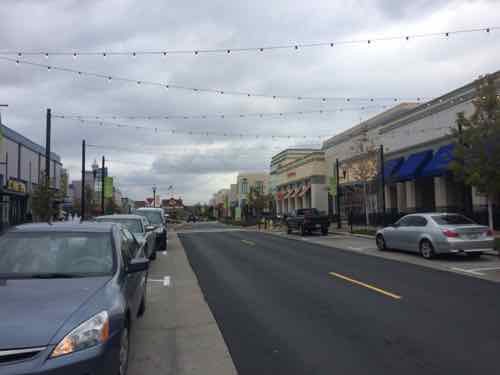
[156,218]
[431,234]
[307,220]
[140,228]
[70,294]
[192,219]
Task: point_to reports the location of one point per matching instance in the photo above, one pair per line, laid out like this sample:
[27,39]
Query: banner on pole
[108,187]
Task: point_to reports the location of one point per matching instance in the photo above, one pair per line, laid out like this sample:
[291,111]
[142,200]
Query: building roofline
[26,142]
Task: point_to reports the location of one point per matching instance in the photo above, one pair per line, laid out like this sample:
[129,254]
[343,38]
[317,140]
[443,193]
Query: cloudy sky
[197,165]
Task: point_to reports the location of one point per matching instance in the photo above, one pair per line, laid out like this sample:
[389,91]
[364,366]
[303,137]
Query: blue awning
[438,166]
[412,166]
[391,167]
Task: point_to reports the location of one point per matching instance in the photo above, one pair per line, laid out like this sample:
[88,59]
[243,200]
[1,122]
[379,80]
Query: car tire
[124,352]
[427,250]
[475,255]
[380,240]
[288,230]
[302,230]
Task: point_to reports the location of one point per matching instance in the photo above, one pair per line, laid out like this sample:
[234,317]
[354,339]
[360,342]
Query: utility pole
[1,141]
[382,182]
[337,195]
[47,158]
[154,196]
[102,185]
[82,199]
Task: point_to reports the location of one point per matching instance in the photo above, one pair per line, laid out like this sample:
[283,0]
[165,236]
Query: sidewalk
[178,334]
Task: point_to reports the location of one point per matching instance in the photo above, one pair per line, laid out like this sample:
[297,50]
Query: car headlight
[90,333]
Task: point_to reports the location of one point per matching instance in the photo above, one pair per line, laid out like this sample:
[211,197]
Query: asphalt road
[292,307]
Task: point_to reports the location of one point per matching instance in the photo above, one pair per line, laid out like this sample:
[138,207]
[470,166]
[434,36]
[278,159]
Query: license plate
[473,236]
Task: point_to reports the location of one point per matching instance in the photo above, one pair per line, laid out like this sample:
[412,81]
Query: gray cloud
[419,68]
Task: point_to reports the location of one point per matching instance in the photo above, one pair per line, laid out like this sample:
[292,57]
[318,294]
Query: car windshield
[133,225]
[53,255]
[154,217]
[452,220]
[308,211]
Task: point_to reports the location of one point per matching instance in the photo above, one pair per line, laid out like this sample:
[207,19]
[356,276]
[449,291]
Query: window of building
[244,186]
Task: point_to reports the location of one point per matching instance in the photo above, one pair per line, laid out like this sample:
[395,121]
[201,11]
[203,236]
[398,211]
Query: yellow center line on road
[249,243]
[368,286]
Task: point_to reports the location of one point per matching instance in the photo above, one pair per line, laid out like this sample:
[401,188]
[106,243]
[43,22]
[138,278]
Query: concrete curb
[352,235]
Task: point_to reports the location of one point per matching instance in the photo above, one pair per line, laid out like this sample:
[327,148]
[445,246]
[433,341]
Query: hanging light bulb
[104,54]
[49,67]
[74,55]
[109,79]
[46,55]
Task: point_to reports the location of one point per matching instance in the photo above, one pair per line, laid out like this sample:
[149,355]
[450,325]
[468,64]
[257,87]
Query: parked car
[139,226]
[431,234]
[192,218]
[70,295]
[307,220]
[156,217]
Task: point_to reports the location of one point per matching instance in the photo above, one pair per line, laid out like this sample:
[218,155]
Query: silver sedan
[431,234]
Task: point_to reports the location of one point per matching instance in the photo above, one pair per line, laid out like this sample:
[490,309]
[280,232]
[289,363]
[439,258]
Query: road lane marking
[165,281]
[368,286]
[249,243]
[467,271]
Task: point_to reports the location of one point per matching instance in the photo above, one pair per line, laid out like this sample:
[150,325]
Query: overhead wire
[242,93]
[297,46]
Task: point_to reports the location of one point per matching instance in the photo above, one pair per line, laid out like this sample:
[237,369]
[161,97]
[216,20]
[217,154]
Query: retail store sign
[17,186]
[291,174]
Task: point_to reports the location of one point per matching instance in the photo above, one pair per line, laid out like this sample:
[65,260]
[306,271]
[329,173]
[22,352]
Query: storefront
[14,202]
[300,183]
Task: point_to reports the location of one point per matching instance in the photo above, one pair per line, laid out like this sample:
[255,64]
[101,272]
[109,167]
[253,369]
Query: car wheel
[302,230]
[288,230]
[475,255]
[426,249]
[124,350]
[380,240]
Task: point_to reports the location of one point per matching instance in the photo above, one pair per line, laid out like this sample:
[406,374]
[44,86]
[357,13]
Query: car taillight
[489,233]
[450,233]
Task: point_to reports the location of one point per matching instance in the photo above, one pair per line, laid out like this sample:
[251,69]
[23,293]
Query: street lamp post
[154,196]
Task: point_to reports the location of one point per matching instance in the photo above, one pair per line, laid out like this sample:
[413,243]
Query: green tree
[477,153]
[43,202]
[258,201]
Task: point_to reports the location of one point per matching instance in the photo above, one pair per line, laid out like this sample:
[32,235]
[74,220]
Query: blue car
[69,294]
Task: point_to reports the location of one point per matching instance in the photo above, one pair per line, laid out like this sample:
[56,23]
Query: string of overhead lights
[227,51]
[220,115]
[197,132]
[169,86]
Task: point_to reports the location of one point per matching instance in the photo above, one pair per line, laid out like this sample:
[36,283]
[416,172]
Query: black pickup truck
[306,220]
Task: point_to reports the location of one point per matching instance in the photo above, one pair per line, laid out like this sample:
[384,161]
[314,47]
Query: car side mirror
[138,265]
[150,228]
